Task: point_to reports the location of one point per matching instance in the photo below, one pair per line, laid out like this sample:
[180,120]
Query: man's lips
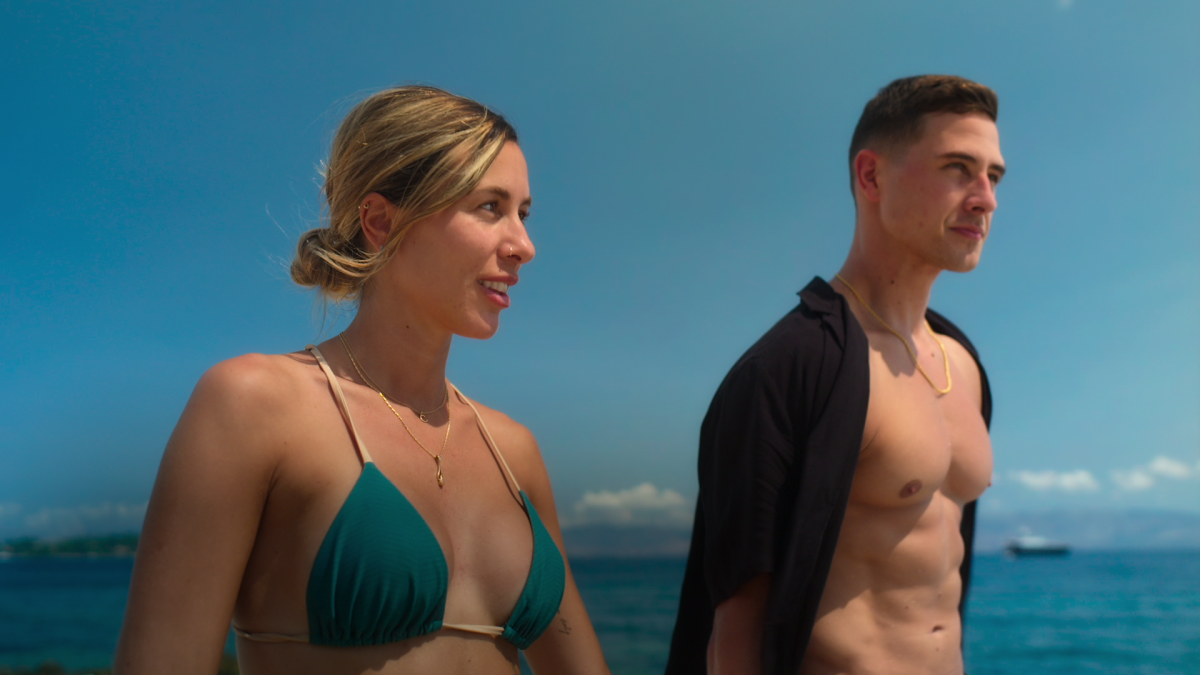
[969,231]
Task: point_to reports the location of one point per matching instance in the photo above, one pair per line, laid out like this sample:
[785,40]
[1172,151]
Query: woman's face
[456,268]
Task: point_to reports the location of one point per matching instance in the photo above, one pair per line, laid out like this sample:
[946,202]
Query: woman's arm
[200,524]
[569,645]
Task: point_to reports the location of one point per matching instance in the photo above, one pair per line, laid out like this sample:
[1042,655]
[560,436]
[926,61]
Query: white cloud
[1165,466]
[105,518]
[1145,477]
[1134,480]
[640,505]
[9,510]
[1080,480]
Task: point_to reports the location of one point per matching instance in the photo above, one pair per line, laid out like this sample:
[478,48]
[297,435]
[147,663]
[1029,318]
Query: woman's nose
[519,247]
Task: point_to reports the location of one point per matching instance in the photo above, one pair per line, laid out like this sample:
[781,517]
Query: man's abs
[894,609]
[890,604]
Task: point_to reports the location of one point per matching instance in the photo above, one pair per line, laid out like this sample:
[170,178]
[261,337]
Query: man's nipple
[910,488]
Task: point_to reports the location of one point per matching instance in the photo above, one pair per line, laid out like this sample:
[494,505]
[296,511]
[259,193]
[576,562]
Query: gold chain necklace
[441,481]
[371,383]
[911,353]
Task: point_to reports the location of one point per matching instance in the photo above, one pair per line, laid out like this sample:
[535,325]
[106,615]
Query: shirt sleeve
[746,449]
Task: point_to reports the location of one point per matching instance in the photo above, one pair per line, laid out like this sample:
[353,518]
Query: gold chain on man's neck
[911,353]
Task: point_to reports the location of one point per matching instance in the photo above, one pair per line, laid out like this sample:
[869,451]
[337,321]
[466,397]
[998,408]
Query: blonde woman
[346,506]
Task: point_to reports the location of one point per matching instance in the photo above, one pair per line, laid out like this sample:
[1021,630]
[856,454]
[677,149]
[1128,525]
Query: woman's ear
[376,215]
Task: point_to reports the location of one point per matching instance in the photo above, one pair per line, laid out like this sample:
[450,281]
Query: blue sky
[688,166]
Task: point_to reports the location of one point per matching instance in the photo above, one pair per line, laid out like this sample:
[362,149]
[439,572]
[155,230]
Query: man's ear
[375,215]
[866,174]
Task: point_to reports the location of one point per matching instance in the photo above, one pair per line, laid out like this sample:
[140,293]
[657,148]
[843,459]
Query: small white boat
[1029,545]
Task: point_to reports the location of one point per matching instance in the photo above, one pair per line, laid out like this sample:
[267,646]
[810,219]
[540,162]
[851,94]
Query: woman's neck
[400,352]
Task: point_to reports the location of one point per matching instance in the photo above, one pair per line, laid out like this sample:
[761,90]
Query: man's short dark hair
[892,120]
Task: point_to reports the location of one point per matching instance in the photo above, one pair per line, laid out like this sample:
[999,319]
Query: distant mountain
[620,541]
[1094,530]
[1082,530]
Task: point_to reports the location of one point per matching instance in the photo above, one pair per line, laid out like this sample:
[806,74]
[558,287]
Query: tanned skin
[890,605]
[262,461]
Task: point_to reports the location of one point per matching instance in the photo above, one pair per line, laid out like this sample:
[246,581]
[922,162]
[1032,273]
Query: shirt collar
[820,297]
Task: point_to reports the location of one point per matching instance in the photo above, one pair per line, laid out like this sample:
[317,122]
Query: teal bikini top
[380,575]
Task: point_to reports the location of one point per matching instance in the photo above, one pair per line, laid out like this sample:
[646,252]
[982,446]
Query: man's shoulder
[800,332]
[941,324]
[790,353]
[945,326]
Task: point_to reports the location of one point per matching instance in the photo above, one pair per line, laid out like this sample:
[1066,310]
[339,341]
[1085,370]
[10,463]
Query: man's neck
[894,286]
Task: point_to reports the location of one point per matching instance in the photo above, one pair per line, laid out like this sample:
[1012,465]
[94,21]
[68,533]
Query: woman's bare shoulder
[504,427]
[252,381]
[514,440]
[250,398]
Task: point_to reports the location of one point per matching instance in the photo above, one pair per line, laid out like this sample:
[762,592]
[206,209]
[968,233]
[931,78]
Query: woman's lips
[497,292]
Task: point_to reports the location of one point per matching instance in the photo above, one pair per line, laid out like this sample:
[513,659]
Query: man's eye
[523,215]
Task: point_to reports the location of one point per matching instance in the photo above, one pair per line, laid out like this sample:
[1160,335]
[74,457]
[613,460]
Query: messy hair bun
[419,147]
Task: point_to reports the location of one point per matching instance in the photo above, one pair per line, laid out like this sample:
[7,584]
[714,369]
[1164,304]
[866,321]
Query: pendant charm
[441,480]
[422,416]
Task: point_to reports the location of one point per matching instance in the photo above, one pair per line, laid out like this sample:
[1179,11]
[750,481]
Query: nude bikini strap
[269,637]
[341,403]
[494,631]
[488,435]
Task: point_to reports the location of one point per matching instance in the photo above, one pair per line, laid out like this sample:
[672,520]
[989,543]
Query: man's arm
[735,646]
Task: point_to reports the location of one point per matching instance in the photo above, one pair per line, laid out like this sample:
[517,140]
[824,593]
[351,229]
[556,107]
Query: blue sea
[1111,613]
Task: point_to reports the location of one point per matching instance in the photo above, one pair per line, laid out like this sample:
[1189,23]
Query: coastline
[108,546]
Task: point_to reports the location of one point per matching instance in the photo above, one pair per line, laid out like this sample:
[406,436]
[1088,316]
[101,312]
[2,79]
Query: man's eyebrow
[998,168]
[504,194]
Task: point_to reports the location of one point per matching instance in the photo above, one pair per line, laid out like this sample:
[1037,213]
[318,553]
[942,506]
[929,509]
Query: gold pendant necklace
[371,384]
[911,353]
[441,480]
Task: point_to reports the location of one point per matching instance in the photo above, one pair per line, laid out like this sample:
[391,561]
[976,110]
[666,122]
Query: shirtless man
[842,456]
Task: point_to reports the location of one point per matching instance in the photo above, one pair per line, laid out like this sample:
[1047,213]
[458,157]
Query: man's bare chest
[917,442]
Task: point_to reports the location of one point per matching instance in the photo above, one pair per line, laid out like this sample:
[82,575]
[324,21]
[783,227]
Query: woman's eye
[490,206]
[523,215]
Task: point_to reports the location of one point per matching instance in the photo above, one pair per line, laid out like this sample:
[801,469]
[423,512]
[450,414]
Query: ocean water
[1111,613]
[1115,613]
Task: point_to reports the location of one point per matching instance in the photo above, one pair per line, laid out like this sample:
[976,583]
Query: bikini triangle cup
[380,575]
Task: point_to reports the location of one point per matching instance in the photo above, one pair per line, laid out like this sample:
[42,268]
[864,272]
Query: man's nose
[983,196]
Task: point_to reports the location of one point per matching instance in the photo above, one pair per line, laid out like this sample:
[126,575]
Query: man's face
[937,197]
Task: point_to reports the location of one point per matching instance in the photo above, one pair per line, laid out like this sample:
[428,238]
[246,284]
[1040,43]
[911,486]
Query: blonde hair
[419,147]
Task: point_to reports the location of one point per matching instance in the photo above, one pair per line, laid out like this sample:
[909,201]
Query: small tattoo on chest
[910,488]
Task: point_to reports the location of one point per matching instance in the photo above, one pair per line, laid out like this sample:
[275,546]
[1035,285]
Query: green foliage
[113,544]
